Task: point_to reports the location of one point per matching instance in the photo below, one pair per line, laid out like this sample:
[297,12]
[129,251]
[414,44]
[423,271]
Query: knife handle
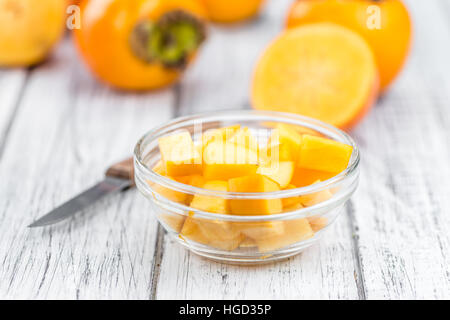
[122,170]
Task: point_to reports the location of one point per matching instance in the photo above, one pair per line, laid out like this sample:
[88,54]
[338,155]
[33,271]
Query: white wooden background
[59,129]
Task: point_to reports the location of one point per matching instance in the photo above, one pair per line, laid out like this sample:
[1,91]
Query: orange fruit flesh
[322,70]
[379,22]
[311,158]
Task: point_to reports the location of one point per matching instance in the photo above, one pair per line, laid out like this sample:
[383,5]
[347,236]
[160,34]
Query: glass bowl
[243,239]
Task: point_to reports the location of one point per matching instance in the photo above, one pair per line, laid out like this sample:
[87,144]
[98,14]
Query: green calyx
[170,41]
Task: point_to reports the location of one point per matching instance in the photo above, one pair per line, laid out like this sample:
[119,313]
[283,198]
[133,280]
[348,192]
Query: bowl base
[247,256]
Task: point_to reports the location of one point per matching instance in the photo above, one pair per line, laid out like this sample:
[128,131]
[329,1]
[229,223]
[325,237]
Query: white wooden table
[60,128]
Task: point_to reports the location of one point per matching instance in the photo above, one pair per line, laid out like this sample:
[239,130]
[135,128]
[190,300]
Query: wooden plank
[401,208]
[324,271]
[221,80]
[12,83]
[68,129]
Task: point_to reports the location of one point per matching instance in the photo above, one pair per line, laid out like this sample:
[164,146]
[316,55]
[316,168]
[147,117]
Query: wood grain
[12,84]
[401,208]
[68,129]
[60,129]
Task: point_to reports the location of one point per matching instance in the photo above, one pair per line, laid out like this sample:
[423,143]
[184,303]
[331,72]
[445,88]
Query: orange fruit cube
[174,221]
[280,172]
[317,153]
[224,160]
[294,231]
[254,183]
[244,137]
[305,177]
[215,233]
[260,229]
[212,204]
[317,223]
[292,202]
[309,200]
[288,140]
[179,155]
[220,134]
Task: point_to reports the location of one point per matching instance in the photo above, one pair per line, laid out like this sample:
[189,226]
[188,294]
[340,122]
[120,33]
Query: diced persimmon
[305,177]
[182,179]
[244,137]
[212,204]
[323,154]
[159,168]
[176,196]
[247,243]
[320,70]
[289,135]
[221,134]
[293,207]
[271,153]
[192,231]
[218,234]
[280,172]
[292,202]
[199,148]
[179,155]
[223,161]
[317,223]
[288,140]
[254,183]
[170,194]
[260,229]
[227,244]
[316,197]
[294,231]
[173,221]
[194,180]
[221,234]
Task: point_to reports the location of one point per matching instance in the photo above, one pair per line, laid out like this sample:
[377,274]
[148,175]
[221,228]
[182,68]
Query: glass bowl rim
[273,116]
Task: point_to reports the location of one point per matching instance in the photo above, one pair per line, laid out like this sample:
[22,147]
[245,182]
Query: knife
[119,177]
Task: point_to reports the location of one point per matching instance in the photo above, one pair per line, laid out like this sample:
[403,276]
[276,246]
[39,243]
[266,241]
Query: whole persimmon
[384,24]
[140,44]
[29,30]
[228,11]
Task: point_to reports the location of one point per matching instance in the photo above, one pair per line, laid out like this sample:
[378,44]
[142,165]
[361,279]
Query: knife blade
[119,177]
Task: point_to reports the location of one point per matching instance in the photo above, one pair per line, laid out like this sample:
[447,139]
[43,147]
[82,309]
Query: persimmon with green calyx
[142,44]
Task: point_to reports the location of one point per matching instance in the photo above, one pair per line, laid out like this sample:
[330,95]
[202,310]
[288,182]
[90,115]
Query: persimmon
[141,44]
[385,25]
[29,29]
[227,11]
[322,70]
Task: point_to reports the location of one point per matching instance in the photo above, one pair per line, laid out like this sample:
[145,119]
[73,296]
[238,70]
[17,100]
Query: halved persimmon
[322,70]
[385,25]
